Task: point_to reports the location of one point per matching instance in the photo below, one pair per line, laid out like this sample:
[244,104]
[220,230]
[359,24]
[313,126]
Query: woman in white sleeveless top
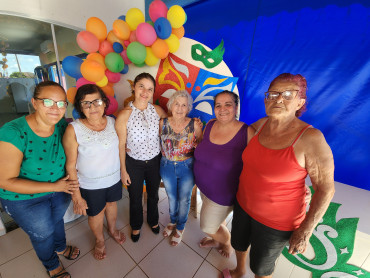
[137,127]
[91,147]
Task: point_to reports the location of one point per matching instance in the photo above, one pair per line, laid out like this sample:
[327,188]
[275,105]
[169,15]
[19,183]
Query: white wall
[70,13]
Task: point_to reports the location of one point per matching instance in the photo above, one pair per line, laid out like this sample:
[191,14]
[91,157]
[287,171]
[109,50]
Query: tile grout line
[17,256]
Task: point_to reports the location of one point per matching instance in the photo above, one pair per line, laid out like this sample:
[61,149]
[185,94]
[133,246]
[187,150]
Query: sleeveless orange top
[272,185]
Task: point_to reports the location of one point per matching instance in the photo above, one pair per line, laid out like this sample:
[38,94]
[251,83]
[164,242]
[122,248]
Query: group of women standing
[257,171]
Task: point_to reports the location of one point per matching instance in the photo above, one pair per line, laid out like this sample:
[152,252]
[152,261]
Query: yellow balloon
[173,43]
[176,16]
[134,17]
[103,82]
[150,59]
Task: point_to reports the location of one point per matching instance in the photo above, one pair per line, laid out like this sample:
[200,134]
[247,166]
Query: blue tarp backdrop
[328,42]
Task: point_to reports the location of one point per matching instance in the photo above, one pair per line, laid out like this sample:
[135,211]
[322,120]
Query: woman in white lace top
[91,147]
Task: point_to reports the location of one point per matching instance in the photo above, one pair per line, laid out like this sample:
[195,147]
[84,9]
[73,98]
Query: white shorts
[212,215]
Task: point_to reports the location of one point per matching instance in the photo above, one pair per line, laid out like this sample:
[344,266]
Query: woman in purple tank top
[217,167]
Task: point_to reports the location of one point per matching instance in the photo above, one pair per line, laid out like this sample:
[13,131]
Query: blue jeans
[178,180]
[42,219]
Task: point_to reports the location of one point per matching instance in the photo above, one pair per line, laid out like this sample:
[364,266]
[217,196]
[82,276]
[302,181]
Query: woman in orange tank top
[282,150]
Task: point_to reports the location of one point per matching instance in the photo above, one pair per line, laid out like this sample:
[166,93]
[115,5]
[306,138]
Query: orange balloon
[108,90]
[71,93]
[112,38]
[121,29]
[97,57]
[179,32]
[97,27]
[160,49]
[92,71]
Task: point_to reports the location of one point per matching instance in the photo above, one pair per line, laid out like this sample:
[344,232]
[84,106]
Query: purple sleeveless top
[217,167]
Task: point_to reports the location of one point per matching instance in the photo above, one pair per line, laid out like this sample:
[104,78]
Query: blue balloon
[75,114]
[71,66]
[125,69]
[163,28]
[122,17]
[117,47]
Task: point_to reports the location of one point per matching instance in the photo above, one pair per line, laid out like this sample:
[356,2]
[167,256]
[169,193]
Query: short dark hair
[88,89]
[44,84]
[234,96]
[300,81]
[143,75]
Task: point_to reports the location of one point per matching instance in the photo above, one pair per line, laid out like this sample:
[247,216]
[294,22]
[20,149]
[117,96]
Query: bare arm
[10,164]
[162,114]
[121,129]
[198,132]
[71,150]
[320,166]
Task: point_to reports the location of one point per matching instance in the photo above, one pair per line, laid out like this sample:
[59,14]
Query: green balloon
[114,62]
[140,65]
[136,52]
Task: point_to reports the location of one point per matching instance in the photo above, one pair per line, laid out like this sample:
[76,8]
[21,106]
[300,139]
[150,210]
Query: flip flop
[226,273]
[69,251]
[118,238]
[206,239]
[99,253]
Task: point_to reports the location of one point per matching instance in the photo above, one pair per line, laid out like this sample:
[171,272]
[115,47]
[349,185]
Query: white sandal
[167,231]
[177,240]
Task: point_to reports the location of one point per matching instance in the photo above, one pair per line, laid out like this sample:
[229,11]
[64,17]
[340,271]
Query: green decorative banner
[333,244]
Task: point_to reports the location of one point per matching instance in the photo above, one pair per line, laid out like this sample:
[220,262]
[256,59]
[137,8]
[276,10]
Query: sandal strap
[167,230]
[60,274]
[177,239]
[70,250]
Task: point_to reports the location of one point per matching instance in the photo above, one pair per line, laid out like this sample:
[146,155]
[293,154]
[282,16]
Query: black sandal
[61,274]
[155,230]
[135,238]
[68,252]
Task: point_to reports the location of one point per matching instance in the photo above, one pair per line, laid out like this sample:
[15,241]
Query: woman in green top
[32,176]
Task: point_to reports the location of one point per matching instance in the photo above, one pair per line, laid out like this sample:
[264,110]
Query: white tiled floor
[151,257]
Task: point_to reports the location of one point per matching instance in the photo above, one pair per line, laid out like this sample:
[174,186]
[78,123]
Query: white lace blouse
[98,164]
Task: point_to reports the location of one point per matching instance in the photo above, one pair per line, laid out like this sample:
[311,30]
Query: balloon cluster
[131,40]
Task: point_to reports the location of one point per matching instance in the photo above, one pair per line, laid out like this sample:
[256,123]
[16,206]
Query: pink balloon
[87,41]
[125,58]
[126,43]
[157,9]
[113,106]
[113,77]
[133,37]
[105,48]
[146,34]
[82,81]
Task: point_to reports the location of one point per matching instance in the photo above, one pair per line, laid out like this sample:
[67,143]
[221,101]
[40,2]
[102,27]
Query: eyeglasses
[87,104]
[287,95]
[49,102]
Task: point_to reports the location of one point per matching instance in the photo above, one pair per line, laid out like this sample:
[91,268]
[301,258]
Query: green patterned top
[43,157]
